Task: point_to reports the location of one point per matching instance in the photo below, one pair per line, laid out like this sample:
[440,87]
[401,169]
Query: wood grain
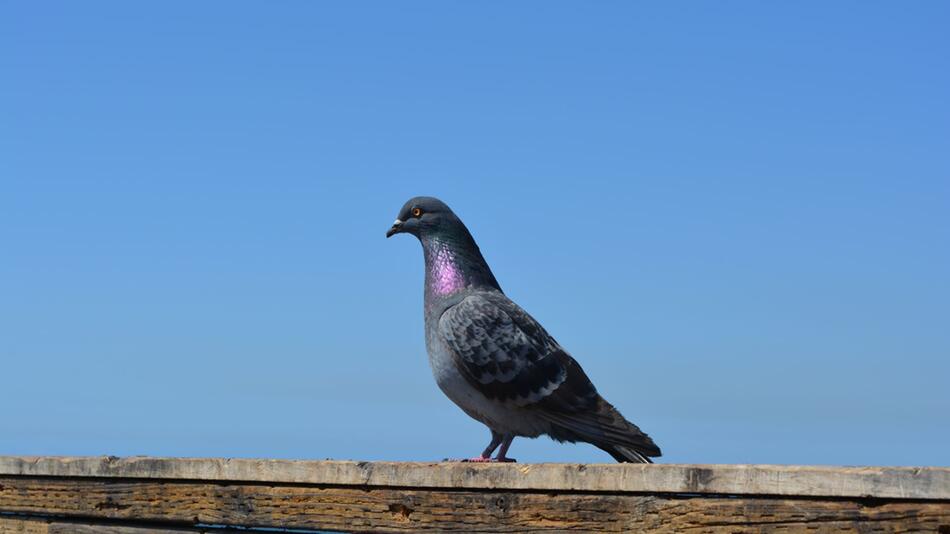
[21,525]
[778,480]
[388,509]
[167,495]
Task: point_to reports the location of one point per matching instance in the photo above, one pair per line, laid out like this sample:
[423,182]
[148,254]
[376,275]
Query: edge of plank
[926,483]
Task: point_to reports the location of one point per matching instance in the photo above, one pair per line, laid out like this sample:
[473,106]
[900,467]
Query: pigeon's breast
[499,416]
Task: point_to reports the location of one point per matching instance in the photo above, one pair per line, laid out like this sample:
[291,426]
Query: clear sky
[735,215]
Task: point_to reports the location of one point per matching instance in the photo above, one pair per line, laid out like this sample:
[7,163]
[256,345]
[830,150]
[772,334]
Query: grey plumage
[494,360]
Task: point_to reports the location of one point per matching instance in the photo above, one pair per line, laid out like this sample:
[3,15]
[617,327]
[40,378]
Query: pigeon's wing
[505,354]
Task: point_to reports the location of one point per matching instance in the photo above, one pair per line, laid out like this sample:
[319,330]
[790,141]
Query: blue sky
[733,214]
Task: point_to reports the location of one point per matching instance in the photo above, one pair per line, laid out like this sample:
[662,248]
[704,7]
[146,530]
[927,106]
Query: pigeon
[494,360]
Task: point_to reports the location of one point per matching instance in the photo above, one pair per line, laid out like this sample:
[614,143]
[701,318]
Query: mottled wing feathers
[501,350]
[507,356]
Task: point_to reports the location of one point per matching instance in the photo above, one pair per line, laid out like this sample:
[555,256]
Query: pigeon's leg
[503,451]
[496,439]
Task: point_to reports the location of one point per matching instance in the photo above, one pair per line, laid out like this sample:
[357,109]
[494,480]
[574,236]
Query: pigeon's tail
[606,429]
[625,454]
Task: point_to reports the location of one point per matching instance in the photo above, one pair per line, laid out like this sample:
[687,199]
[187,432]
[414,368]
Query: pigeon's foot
[504,459]
[486,460]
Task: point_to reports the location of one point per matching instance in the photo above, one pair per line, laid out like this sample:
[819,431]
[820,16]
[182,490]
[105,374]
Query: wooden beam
[378,509]
[142,495]
[774,480]
[24,525]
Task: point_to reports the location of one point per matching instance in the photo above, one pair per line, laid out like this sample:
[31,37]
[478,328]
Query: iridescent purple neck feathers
[443,273]
[452,267]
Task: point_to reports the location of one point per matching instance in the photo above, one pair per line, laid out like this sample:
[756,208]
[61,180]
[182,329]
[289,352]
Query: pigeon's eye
[416,212]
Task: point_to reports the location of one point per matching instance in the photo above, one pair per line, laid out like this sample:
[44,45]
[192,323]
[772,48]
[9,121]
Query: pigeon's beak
[396,228]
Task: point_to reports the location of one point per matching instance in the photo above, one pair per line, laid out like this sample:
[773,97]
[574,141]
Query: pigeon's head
[457,261]
[426,217]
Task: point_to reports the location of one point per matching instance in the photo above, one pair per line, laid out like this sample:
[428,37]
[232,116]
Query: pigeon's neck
[454,264]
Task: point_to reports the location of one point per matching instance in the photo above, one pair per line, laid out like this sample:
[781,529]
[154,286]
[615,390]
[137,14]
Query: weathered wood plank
[12,525]
[20,525]
[384,509]
[813,481]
